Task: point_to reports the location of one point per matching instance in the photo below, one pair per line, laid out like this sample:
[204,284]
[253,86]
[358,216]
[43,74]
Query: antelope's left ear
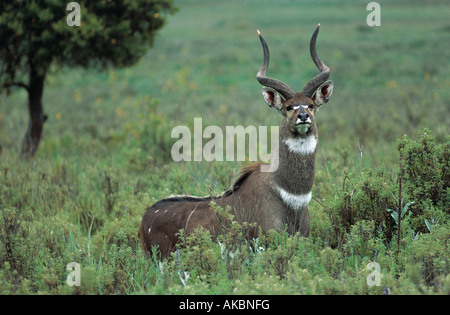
[323,93]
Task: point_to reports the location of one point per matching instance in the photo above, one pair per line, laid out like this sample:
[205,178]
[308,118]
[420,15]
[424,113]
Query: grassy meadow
[105,156]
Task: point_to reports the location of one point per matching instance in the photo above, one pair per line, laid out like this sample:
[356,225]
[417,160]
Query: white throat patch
[302,145]
[296,202]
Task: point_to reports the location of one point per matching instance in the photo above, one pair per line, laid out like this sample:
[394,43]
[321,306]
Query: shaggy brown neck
[296,167]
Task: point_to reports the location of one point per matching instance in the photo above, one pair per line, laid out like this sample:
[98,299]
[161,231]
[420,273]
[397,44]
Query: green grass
[105,156]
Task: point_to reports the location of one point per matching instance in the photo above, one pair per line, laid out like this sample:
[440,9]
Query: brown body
[253,198]
[277,199]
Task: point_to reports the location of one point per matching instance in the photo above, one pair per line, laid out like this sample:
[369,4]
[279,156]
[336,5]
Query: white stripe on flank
[296,202]
[302,145]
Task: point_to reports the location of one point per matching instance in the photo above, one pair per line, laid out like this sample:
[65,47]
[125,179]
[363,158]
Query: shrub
[199,255]
[13,241]
[430,251]
[366,200]
[363,240]
[423,182]
[425,173]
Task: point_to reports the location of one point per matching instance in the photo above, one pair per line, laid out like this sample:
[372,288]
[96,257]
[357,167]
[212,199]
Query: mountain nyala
[275,199]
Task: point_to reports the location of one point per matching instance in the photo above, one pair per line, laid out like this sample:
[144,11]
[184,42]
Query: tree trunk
[37,117]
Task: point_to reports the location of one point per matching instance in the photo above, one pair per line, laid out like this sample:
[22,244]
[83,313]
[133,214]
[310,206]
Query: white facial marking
[302,145]
[296,202]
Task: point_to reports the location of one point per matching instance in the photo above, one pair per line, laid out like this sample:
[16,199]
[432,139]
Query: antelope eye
[311,106]
[289,108]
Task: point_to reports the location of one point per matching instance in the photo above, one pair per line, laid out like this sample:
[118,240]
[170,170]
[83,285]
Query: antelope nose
[303,116]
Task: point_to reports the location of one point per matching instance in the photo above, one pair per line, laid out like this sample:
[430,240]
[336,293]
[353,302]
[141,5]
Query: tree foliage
[34,34]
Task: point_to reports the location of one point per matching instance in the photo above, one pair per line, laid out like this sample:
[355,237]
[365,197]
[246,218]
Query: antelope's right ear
[273,98]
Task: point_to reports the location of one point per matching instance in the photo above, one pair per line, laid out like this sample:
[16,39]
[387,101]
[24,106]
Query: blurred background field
[105,152]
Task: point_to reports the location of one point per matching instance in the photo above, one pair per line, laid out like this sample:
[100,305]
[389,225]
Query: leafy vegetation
[105,157]
[36,36]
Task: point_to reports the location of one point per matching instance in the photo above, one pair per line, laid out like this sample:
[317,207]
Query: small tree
[34,34]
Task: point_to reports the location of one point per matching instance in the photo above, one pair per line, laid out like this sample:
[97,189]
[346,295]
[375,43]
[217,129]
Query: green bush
[430,254]
[425,173]
[365,198]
